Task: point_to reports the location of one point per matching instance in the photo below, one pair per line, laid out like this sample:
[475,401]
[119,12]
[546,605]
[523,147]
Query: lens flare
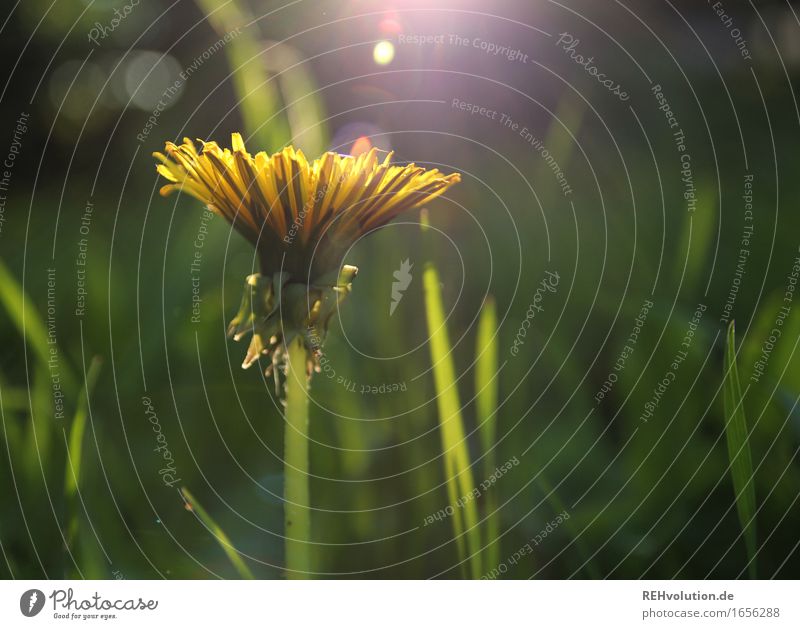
[383,53]
[360,146]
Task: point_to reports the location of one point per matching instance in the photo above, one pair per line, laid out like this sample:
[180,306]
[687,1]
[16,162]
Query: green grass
[25,317]
[213,528]
[741,462]
[74,464]
[258,96]
[457,467]
[486,393]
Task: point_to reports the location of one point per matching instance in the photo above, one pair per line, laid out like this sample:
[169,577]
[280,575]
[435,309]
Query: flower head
[301,217]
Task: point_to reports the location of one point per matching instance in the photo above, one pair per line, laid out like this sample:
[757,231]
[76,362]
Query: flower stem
[297,507]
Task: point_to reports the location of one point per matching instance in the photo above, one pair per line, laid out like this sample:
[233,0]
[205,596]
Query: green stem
[296,493]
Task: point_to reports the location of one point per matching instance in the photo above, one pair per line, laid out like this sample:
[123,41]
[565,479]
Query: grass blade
[33,330]
[486,393]
[27,320]
[305,110]
[741,462]
[258,97]
[458,473]
[224,542]
[72,474]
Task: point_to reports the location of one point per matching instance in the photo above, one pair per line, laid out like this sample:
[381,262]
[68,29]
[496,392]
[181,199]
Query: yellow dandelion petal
[299,214]
[237,144]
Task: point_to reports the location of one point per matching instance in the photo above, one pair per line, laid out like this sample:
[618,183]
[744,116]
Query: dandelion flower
[301,217]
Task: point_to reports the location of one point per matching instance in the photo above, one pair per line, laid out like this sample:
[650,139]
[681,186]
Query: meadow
[578,362]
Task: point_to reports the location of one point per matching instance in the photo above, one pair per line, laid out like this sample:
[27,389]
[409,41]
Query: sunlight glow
[383,53]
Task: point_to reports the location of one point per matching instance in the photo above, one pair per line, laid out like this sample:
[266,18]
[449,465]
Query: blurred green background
[644,498]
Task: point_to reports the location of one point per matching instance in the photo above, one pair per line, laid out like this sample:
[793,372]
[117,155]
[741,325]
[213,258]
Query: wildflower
[301,217]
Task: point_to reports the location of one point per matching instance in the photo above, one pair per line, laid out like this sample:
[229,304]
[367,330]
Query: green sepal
[276,310]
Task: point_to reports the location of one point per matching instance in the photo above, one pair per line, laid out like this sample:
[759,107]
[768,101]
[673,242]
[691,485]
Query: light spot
[361,145]
[383,52]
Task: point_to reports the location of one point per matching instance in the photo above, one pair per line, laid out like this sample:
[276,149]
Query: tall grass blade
[26,319]
[458,473]
[223,540]
[74,463]
[486,392]
[741,463]
[33,329]
[258,97]
[305,110]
